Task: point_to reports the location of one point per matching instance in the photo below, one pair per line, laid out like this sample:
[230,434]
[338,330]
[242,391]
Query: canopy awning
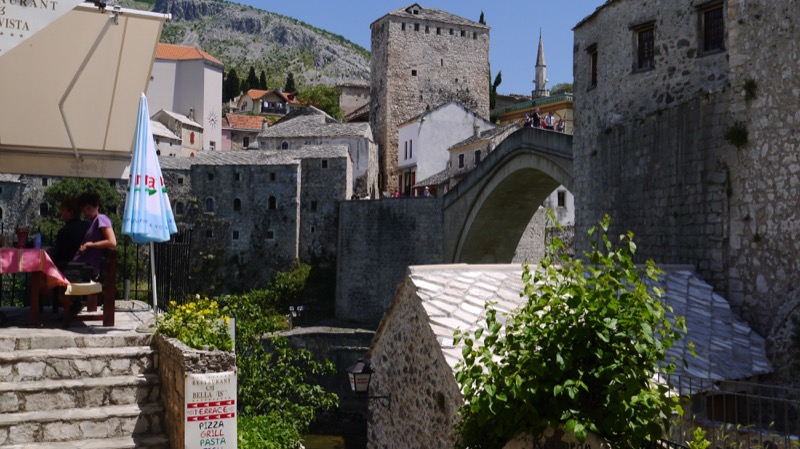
[70,93]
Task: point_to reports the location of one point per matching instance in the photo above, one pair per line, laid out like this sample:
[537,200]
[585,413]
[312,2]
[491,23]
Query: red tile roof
[183,53]
[256,94]
[239,121]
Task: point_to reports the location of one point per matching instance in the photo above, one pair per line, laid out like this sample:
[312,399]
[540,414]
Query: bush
[582,353]
[199,324]
[266,432]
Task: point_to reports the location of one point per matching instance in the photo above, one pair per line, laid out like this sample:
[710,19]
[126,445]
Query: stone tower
[541,72]
[421,58]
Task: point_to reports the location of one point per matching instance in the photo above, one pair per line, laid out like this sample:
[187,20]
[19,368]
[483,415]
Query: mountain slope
[241,36]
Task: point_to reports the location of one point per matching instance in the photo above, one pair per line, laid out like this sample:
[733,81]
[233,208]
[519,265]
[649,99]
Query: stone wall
[414,68]
[408,364]
[378,240]
[323,187]
[655,149]
[174,361]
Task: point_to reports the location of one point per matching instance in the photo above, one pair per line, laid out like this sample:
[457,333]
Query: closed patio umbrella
[148,215]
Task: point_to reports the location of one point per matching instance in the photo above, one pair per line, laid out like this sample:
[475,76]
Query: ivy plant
[581,353]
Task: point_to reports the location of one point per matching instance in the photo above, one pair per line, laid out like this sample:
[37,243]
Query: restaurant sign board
[20,19]
[210,411]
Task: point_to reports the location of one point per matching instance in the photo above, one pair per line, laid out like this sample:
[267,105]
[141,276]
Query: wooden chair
[106,289]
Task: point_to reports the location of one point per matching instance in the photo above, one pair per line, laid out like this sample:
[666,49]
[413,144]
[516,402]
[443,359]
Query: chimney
[191,114]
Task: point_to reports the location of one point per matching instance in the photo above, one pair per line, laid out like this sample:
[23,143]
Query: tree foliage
[262,81]
[230,88]
[323,97]
[289,86]
[482,19]
[561,88]
[498,79]
[582,353]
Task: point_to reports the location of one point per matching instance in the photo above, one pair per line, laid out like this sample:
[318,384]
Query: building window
[645,46]
[285,145]
[416,27]
[44,182]
[236,235]
[212,145]
[313,206]
[403,26]
[463,33]
[209,234]
[179,208]
[427,29]
[413,73]
[410,149]
[237,176]
[246,142]
[562,198]
[210,176]
[451,31]
[313,229]
[272,176]
[405,153]
[43,209]
[474,35]
[270,235]
[272,203]
[592,50]
[324,163]
[713,28]
[461,160]
[237,205]
[209,204]
[477,157]
[180,180]
[438,30]
[112,182]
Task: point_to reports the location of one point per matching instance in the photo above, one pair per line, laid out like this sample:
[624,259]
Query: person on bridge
[549,121]
[537,119]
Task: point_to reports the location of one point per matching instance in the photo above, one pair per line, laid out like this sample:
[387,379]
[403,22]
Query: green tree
[561,88]
[493,89]
[323,97]
[262,81]
[230,89]
[582,353]
[289,86]
[251,82]
[482,19]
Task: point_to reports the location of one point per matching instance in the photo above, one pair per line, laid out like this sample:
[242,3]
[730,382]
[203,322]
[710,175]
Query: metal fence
[736,414]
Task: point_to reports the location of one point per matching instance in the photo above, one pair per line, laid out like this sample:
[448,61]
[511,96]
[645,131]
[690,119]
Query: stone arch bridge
[486,213]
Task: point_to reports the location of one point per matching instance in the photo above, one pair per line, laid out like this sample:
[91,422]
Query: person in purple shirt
[100,235]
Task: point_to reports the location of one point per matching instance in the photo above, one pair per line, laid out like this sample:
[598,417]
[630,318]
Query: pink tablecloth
[29,261]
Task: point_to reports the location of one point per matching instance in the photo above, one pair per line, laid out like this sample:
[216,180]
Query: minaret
[541,72]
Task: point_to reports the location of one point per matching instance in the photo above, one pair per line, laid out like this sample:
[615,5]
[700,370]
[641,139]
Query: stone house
[240,132]
[188,81]
[276,102]
[167,142]
[705,133]
[256,212]
[413,355]
[421,58]
[189,132]
[423,141]
[353,95]
[311,126]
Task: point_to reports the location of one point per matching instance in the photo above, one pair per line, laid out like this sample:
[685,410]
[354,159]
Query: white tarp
[70,93]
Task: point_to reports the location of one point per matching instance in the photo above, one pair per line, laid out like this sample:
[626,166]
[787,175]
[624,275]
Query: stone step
[76,393]
[74,363]
[60,339]
[135,442]
[70,425]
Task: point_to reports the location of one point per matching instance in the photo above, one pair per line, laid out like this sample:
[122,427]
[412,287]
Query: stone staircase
[79,391]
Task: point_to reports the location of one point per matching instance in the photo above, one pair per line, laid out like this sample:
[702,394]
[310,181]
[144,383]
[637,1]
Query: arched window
[273,203]
[285,145]
[43,209]
[179,208]
[237,205]
[209,204]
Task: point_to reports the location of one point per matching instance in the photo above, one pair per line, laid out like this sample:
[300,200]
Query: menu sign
[210,411]
[20,19]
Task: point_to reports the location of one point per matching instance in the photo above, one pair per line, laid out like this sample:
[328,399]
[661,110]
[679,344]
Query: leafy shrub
[199,324]
[266,432]
[582,353]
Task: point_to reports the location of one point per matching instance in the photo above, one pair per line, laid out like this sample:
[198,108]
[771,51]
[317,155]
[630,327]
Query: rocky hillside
[241,36]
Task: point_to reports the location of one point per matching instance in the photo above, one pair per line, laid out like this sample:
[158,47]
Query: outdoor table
[34,261]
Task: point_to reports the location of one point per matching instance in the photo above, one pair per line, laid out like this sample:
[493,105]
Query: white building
[423,141]
[188,81]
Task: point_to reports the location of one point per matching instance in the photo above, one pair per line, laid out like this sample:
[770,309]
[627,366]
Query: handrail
[532,103]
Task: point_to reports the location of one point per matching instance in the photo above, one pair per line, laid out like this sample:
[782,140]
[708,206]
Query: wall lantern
[360,375]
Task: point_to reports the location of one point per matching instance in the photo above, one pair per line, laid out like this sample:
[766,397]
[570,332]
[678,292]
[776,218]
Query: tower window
[645,46]
[236,235]
[451,31]
[209,234]
[324,163]
[416,27]
[413,73]
[438,30]
[180,180]
[313,206]
[463,33]
[592,50]
[237,176]
[210,176]
[313,229]
[284,145]
[270,235]
[272,203]
[237,205]
[272,176]
[44,209]
[712,28]
[403,26]
[427,29]
[179,208]
[209,204]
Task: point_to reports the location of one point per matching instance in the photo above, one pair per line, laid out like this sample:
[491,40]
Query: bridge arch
[488,211]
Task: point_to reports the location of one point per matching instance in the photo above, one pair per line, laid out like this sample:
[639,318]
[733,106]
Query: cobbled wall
[408,363]
[175,361]
[378,240]
[447,66]
[655,149]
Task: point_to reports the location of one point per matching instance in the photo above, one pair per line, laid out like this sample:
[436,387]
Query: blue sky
[515,28]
